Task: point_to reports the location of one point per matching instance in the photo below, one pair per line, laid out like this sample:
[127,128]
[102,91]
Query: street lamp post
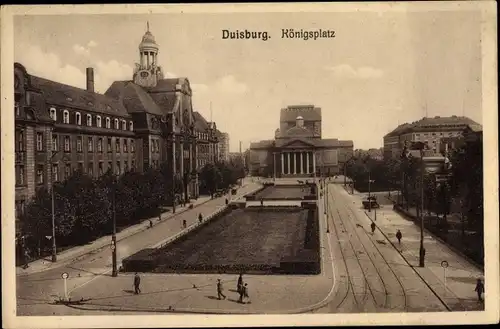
[113,237]
[369,192]
[54,246]
[422,249]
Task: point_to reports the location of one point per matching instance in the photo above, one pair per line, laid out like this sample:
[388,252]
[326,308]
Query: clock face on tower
[144,74]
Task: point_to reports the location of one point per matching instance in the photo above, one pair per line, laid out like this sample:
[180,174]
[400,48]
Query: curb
[97,249]
[454,249]
[412,267]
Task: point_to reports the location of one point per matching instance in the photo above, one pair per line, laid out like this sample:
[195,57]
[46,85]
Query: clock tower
[147,72]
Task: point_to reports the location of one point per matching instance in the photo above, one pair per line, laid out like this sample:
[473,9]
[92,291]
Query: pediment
[297,143]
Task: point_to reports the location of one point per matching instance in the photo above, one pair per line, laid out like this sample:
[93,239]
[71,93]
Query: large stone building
[223,146]
[136,124]
[431,131]
[298,148]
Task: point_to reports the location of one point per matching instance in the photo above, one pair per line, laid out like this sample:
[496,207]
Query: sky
[380,70]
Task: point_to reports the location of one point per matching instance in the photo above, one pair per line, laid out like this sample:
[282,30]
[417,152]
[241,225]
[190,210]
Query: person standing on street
[200,218]
[399,236]
[373,227]
[219,290]
[137,283]
[479,289]
[245,293]
[239,287]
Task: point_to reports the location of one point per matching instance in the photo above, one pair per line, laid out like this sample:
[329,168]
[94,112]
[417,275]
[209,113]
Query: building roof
[200,123]
[134,97]
[307,112]
[61,94]
[298,131]
[431,124]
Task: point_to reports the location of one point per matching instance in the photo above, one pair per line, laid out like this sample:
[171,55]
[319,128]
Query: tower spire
[147,25]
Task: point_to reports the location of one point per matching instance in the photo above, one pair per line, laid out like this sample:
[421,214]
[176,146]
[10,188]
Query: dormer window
[65,116]
[124,125]
[53,114]
[116,124]
[78,117]
[108,122]
[131,126]
[89,120]
[98,121]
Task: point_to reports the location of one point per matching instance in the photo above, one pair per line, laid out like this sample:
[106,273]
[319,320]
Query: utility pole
[369,192]
[422,249]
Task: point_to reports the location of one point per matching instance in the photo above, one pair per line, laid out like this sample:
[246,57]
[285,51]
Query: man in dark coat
[219,290]
[200,218]
[373,227]
[479,289]
[137,283]
[399,236]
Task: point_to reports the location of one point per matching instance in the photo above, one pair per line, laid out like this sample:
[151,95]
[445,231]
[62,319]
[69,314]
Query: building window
[125,146]
[67,144]
[55,172]
[20,141]
[19,175]
[133,165]
[98,120]
[39,174]
[67,171]
[39,141]
[117,171]
[101,169]
[152,146]
[53,114]
[132,146]
[125,166]
[109,145]
[157,146]
[131,126]
[90,145]
[116,124]
[117,144]
[65,116]
[78,117]
[79,144]
[17,107]
[80,167]
[55,144]
[90,169]
[124,125]
[99,145]
[108,122]
[89,120]
[110,166]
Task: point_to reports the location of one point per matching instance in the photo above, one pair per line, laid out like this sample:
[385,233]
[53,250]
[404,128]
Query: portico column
[301,162]
[314,162]
[307,162]
[282,163]
[294,163]
[288,154]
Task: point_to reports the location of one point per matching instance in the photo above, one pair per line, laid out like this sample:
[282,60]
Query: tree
[210,178]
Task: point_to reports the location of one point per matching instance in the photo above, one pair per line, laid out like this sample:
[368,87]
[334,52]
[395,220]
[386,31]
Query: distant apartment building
[436,132]
[223,146]
[373,153]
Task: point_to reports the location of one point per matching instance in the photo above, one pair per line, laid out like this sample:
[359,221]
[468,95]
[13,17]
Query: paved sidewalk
[71,254]
[461,275]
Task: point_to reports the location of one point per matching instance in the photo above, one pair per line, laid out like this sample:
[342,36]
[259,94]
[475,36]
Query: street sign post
[444,265]
[65,277]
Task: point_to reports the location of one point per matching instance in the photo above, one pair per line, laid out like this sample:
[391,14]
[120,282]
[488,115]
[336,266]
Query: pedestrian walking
[219,290]
[150,223]
[479,289]
[373,227]
[184,224]
[245,293]
[137,284]
[261,202]
[200,218]
[227,201]
[399,236]
[239,287]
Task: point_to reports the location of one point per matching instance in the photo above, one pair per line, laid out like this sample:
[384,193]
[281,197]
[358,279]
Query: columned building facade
[298,148]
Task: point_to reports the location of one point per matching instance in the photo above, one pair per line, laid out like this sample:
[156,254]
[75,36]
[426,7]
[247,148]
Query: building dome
[299,121]
[148,41]
[299,118]
[148,38]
